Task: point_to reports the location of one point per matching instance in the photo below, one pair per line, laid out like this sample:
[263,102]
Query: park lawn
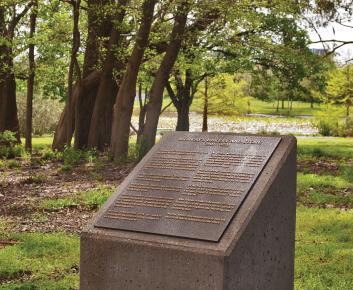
[324,249]
[298,108]
[39,261]
[40,142]
[327,147]
[324,255]
[327,179]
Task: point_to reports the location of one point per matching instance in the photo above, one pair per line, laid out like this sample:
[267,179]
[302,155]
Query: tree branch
[172,94]
[133,128]
[17,18]
[166,107]
[331,40]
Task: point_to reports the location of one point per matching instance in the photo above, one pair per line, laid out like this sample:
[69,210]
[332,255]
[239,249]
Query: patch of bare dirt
[319,166]
[6,243]
[24,188]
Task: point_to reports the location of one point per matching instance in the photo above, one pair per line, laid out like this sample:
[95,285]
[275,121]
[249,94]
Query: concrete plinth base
[255,252]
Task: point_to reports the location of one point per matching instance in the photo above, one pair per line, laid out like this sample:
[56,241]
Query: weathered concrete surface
[255,252]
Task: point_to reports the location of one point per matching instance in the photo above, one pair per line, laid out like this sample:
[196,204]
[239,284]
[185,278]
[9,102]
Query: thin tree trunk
[101,122]
[72,66]
[347,110]
[30,81]
[156,94]
[125,98]
[142,113]
[205,108]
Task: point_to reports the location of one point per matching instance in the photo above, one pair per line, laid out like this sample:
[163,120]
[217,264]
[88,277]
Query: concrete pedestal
[256,250]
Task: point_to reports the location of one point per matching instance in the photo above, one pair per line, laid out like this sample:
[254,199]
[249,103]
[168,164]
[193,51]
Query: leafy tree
[340,87]
[11,14]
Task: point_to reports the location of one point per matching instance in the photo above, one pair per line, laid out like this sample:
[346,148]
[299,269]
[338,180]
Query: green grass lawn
[339,148]
[261,107]
[324,255]
[40,142]
[324,249]
[298,108]
[39,261]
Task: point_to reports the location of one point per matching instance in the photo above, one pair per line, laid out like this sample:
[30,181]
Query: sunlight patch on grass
[40,142]
[324,249]
[91,199]
[40,261]
[326,198]
[321,181]
[330,147]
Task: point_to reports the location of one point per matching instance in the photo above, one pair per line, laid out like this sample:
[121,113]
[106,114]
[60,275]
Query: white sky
[338,32]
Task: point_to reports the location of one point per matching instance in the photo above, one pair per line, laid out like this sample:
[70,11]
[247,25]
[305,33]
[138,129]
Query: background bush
[46,113]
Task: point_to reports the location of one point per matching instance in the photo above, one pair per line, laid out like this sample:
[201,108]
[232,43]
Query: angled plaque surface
[190,186]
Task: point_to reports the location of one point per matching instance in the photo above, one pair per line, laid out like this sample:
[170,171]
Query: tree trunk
[205,108]
[101,123]
[183,122]
[30,81]
[126,96]
[8,105]
[88,89]
[99,27]
[283,104]
[348,106]
[156,93]
[142,113]
[64,131]
[72,66]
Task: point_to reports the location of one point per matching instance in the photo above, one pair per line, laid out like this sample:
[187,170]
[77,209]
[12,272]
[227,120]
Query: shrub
[48,154]
[46,113]
[71,156]
[13,164]
[9,147]
[325,128]
[90,155]
[8,138]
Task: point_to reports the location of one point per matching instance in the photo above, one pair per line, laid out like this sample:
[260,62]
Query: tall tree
[183,96]
[8,106]
[65,129]
[74,66]
[340,87]
[100,13]
[156,93]
[126,96]
[31,76]
[101,121]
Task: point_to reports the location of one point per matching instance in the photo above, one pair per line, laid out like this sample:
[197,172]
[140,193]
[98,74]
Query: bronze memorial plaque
[190,185]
